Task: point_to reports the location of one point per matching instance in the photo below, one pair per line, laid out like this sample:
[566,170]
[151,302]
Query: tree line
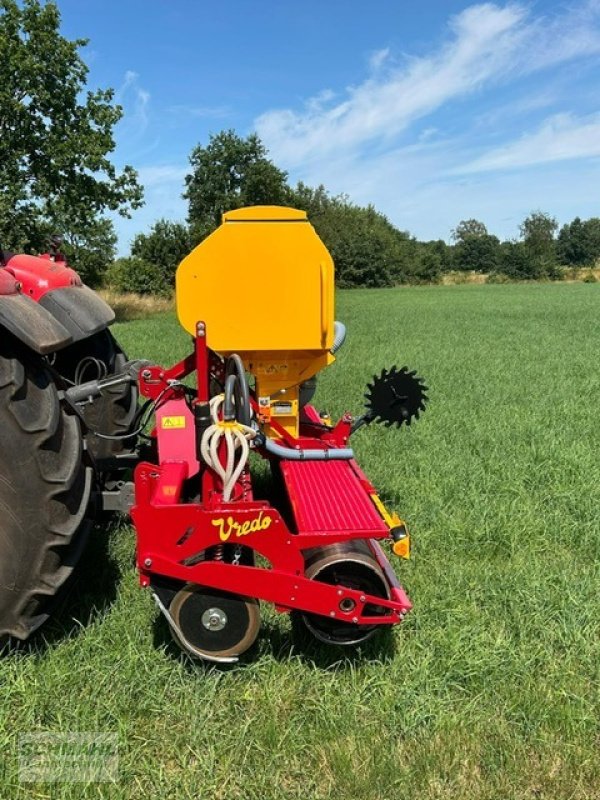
[57,176]
[368,250]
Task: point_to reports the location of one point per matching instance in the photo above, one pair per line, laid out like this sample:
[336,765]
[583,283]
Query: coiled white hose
[236,438]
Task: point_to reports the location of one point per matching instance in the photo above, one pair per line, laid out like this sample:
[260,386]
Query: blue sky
[434,111]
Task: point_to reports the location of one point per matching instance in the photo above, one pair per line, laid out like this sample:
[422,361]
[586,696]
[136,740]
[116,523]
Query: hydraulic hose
[339,336]
[235,436]
[243,411]
[229,402]
[335,454]
[309,387]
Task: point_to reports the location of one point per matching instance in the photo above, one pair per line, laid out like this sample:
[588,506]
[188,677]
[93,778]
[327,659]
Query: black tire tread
[44,491]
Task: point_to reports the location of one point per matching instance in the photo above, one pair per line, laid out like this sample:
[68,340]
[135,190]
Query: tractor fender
[48,309]
[78,309]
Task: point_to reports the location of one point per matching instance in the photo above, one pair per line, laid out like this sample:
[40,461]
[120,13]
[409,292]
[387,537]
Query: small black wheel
[214,625]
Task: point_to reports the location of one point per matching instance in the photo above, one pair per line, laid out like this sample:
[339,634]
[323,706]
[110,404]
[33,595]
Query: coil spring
[215,553]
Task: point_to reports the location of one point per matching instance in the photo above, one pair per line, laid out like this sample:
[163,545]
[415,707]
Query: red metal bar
[202,363]
[284,590]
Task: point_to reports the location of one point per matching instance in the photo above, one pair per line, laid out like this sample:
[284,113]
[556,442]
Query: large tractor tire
[44,491]
[113,413]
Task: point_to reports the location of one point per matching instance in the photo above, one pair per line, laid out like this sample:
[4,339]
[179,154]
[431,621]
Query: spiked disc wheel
[395,397]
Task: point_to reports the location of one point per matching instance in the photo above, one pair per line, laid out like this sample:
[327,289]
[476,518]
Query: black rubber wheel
[44,491]
[112,413]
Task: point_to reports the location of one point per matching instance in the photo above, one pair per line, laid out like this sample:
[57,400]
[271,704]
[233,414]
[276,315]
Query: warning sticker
[172,422]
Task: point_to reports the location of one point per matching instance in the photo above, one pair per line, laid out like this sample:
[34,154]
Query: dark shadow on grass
[87,595]
[298,642]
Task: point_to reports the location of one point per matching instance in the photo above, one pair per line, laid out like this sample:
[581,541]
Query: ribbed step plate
[328,496]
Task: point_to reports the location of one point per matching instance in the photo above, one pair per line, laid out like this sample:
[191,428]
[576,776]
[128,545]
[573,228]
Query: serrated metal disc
[396,397]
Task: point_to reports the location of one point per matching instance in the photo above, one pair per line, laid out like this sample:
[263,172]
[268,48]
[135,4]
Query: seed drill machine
[257,299]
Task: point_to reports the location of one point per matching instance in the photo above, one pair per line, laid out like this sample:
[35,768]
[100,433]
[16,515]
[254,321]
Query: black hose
[229,403]
[239,391]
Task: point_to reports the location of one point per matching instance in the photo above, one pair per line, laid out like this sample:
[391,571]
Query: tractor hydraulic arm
[86,392]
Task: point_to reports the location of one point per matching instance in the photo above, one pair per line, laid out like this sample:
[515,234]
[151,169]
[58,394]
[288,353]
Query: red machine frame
[172,535]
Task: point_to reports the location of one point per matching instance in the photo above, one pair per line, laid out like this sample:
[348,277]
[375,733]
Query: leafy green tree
[538,232]
[133,274]
[443,252]
[514,261]
[475,249]
[89,250]
[467,229]
[55,138]
[428,266]
[317,202]
[592,239]
[578,242]
[167,244]
[570,244]
[230,172]
[478,253]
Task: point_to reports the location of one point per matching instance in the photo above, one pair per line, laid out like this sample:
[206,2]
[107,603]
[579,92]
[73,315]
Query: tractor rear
[257,299]
[53,334]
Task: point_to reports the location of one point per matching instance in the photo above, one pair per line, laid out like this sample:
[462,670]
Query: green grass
[491,687]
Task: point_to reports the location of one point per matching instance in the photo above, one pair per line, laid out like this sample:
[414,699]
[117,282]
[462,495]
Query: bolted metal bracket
[119,499]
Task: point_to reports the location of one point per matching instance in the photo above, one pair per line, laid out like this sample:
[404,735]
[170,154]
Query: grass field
[491,688]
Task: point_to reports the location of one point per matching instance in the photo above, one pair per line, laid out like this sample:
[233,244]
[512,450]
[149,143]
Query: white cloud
[378,141]
[200,112]
[378,58]
[561,137]
[488,44]
[135,101]
[157,175]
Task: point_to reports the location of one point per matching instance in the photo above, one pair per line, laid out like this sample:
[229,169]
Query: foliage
[468,229]
[579,242]
[537,233]
[444,253]
[89,250]
[428,268]
[55,139]
[475,249]
[368,250]
[133,274]
[514,262]
[230,172]
[164,247]
[477,253]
